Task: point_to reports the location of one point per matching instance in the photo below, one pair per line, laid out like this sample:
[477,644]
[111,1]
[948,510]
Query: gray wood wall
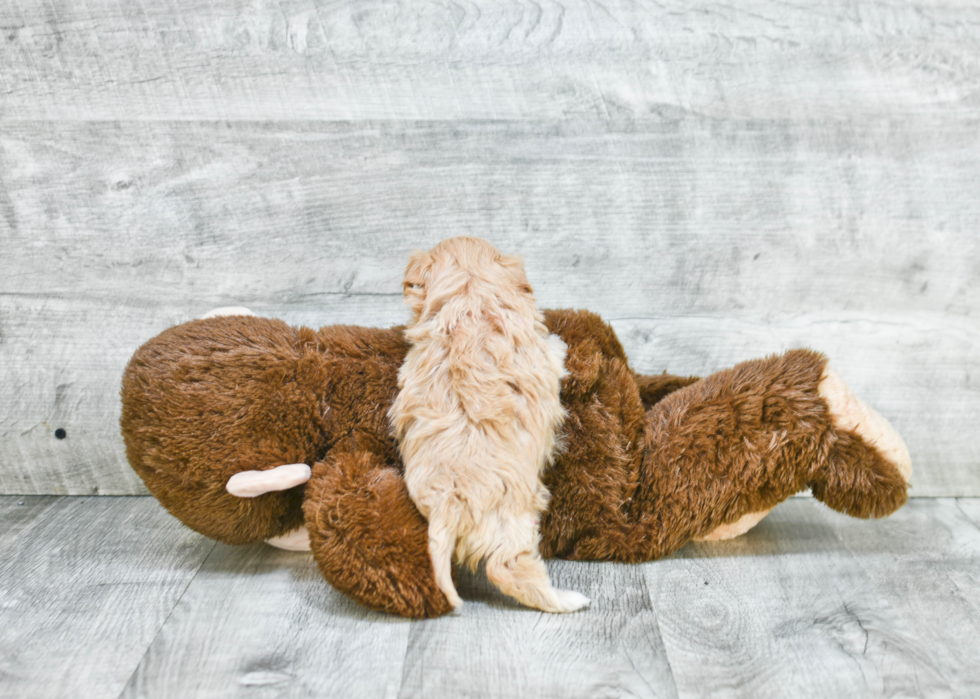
[721,181]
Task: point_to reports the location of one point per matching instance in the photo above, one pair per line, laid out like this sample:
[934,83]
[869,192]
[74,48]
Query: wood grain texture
[17,515]
[926,564]
[85,585]
[971,508]
[813,603]
[703,242]
[496,648]
[299,59]
[109,597]
[258,621]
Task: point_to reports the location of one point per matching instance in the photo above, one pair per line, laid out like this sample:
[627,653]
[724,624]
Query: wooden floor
[111,597]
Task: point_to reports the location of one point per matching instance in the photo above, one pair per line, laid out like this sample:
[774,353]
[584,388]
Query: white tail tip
[571,601]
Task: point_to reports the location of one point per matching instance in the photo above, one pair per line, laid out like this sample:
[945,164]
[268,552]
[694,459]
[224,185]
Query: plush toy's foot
[228,311]
[296,540]
[737,528]
[867,467]
[851,414]
[250,484]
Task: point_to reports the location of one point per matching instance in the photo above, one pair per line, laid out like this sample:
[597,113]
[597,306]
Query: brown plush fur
[654,389]
[649,462]
[384,567]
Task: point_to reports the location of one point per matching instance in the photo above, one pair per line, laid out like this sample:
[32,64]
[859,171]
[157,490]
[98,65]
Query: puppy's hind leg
[520,572]
[443,526]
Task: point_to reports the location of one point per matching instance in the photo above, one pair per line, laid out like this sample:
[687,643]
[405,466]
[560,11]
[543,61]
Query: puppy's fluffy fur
[476,417]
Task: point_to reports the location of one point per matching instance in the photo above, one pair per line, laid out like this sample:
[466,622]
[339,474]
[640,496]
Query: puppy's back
[477,415]
[480,386]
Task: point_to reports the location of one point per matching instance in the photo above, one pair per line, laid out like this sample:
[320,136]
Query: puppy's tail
[443,534]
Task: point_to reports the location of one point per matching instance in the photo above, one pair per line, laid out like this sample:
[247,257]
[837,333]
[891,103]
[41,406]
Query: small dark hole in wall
[60,433]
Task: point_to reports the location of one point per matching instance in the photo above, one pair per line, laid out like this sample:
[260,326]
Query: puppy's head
[468,266]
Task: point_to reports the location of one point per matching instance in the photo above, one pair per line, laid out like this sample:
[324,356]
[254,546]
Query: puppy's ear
[419,266]
[416,276]
[514,264]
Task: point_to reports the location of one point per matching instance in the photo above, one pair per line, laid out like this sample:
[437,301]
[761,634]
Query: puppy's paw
[570,601]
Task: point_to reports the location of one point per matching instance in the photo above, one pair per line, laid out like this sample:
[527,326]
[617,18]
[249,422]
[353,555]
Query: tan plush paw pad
[852,414]
[296,540]
[737,528]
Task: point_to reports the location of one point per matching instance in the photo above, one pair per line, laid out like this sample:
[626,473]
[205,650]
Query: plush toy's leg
[722,452]
[367,537]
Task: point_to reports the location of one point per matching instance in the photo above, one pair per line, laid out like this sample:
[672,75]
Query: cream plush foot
[737,528]
[296,540]
[851,414]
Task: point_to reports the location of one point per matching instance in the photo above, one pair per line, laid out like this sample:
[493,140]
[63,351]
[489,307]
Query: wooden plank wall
[721,181]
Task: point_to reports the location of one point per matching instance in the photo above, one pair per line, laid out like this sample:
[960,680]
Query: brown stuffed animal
[649,462]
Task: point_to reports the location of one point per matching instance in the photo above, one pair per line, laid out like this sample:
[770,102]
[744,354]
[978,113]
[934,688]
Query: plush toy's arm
[655,388]
[368,538]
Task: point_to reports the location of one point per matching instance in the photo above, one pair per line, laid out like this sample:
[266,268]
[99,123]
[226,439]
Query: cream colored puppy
[476,417]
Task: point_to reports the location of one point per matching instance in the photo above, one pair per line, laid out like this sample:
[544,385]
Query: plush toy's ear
[416,277]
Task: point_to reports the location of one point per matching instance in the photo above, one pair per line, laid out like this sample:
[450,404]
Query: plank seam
[642,575]
[165,622]
[969,518]
[34,522]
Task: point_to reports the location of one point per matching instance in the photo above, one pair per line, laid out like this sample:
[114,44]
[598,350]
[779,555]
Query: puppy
[476,417]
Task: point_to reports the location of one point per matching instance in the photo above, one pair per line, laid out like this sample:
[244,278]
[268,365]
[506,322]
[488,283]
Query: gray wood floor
[111,597]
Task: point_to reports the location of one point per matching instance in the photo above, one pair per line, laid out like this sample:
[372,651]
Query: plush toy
[294,423]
